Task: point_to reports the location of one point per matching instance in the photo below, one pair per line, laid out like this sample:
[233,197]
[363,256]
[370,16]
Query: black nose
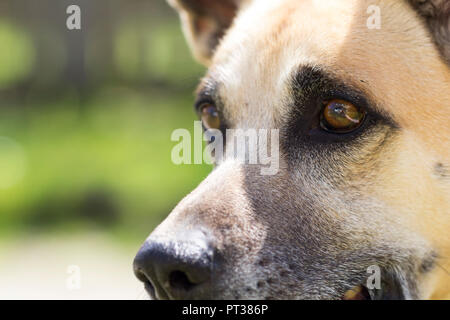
[179,268]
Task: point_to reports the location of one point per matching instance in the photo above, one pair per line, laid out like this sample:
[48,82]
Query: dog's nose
[178,268]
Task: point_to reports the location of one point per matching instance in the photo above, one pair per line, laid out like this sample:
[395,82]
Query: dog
[360,93]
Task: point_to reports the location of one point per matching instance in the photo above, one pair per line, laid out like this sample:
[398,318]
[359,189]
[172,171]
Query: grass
[101,164]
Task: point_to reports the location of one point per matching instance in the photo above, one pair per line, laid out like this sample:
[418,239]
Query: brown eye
[209,116]
[341,116]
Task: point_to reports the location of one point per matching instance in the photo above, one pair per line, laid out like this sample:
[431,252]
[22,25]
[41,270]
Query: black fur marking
[441,171]
[428,263]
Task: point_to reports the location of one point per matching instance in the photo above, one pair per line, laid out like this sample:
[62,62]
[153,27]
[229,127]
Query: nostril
[139,273]
[179,280]
[147,283]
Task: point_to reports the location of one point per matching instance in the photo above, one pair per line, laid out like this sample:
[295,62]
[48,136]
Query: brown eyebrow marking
[428,263]
[310,80]
[206,91]
[441,171]
[207,84]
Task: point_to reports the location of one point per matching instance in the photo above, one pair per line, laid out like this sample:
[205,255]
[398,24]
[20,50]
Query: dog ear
[437,16]
[205,22]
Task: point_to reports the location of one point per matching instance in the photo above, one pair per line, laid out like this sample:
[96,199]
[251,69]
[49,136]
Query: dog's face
[364,168]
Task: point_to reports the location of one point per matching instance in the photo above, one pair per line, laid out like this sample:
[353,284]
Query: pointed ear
[437,16]
[205,22]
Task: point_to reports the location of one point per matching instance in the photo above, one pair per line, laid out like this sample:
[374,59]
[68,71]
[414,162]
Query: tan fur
[398,66]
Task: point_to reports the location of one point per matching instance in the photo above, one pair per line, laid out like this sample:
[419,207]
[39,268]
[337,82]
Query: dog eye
[209,116]
[341,116]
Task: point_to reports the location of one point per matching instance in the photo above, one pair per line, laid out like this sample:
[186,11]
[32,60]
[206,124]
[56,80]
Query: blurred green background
[86,117]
